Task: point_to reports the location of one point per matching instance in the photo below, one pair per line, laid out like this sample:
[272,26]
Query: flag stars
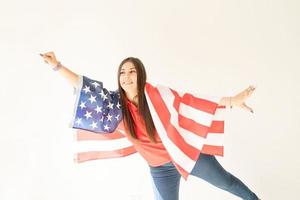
[106,127]
[117,117]
[78,121]
[103,95]
[102,119]
[96,84]
[110,105]
[88,115]
[94,125]
[82,105]
[92,99]
[109,117]
[86,89]
[98,109]
[119,105]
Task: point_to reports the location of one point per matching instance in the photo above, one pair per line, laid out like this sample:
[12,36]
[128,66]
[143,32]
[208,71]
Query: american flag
[187,124]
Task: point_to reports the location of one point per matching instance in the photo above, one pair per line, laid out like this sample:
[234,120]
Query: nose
[126,76]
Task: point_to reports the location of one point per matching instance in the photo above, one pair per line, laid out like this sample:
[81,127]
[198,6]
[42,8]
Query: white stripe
[190,137]
[101,145]
[178,156]
[198,116]
[215,139]
[198,141]
[220,114]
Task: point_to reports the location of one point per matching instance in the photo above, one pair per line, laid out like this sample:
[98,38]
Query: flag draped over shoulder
[187,124]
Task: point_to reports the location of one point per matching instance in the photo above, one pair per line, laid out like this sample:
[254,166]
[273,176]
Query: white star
[92,99]
[118,105]
[88,115]
[94,125]
[98,109]
[109,117]
[87,89]
[96,84]
[106,127]
[117,117]
[78,121]
[110,105]
[102,118]
[103,95]
[82,105]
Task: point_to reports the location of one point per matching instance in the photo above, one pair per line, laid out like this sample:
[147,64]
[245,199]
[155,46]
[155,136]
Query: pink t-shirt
[154,153]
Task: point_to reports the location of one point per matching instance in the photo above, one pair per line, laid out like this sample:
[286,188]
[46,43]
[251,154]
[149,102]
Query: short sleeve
[96,108]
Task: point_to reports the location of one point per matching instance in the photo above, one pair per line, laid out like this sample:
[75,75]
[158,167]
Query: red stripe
[164,115]
[213,150]
[193,126]
[88,135]
[183,172]
[216,127]
[94,155]
[197,103]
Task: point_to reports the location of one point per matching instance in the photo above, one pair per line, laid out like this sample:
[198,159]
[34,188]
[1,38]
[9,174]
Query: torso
[154,153]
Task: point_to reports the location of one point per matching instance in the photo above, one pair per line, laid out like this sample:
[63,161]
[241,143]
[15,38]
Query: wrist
[233,101]
[58,66]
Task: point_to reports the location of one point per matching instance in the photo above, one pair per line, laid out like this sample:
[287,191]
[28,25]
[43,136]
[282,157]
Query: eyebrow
[124,69]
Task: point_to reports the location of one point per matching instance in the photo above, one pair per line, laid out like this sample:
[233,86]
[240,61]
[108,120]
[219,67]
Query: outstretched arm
[50,59]
[239,99]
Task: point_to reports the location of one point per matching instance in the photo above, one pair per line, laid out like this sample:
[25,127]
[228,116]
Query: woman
[141,131]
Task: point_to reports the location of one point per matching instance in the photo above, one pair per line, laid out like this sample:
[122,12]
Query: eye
[121,72]
[132,71]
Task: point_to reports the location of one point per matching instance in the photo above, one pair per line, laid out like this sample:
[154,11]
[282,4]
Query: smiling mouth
[128,83]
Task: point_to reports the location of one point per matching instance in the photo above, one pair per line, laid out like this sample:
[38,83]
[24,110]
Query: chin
[126,88]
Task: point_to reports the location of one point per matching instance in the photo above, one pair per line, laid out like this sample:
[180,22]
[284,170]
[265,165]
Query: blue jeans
[166,179]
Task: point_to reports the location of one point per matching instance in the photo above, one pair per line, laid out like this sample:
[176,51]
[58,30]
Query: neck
[133,97]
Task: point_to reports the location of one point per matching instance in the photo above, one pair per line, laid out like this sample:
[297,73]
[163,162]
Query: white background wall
[215,47]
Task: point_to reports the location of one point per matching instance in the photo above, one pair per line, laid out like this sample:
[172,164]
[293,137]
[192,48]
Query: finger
[247,107]
[45,55]
[48,54]
[250,90]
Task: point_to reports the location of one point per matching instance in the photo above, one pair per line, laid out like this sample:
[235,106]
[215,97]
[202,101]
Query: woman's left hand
[240,98]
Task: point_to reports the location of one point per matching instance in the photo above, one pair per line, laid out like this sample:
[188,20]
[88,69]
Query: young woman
[141,131]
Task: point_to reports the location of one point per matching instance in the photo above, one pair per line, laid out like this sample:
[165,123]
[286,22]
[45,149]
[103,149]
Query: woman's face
[128,78]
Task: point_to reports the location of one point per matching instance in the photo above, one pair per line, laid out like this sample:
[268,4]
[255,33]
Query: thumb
[247,107]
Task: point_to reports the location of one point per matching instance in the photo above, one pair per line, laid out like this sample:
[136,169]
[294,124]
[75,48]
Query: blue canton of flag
[96,109]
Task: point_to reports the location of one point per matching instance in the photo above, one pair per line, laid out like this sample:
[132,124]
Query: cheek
[121,79]
[134,78]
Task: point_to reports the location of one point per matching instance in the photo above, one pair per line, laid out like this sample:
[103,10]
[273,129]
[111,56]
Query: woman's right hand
[50,58]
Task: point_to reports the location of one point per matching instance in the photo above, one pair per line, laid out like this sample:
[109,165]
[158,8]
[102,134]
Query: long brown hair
[142,102]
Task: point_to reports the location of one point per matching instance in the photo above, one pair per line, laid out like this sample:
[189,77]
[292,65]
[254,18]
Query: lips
[128,83]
